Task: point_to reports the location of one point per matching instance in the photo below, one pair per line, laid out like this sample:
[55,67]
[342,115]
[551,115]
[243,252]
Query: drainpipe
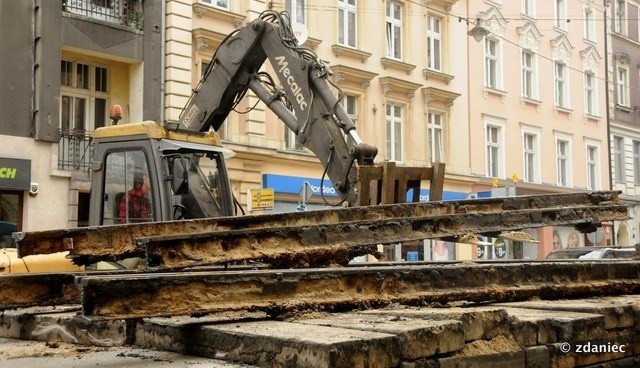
[608,110]
[606,95]
[163,15]
[468,91]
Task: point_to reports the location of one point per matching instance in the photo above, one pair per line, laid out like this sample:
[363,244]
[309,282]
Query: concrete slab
[277,344]
[633,301]
[538,326]
[178,333]
[60,324]
[614,350]
[537,357]
[21,353]
[418,338]
[477,322]
[617,313]
[499,352]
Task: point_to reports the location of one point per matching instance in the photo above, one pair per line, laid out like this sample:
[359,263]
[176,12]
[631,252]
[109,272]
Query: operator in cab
[135,206]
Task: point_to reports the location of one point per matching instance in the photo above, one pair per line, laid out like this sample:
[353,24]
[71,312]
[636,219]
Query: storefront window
[10,215]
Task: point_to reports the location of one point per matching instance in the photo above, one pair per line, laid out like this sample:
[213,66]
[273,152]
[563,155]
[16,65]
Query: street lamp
[478,31]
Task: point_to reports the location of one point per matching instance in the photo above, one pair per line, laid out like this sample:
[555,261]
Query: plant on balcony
[130,16]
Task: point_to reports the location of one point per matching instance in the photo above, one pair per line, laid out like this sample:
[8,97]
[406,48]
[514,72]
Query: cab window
[127,189]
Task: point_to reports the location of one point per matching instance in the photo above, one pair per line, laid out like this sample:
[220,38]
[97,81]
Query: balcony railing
[75,150]
[125,12]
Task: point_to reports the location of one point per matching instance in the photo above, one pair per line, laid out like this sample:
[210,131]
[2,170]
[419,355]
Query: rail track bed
[507,314]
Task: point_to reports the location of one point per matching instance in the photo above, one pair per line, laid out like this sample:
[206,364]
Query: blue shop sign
[446,195]
[293,184]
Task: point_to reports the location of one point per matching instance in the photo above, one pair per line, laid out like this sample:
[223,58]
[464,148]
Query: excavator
[185,161]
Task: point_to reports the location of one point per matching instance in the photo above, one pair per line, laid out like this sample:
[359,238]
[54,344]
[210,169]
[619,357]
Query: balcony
[128,13]
[75,150]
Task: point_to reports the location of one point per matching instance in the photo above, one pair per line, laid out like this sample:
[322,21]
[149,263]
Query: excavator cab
[143,172]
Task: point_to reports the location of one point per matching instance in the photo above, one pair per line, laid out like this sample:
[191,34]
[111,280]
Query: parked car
[612,252]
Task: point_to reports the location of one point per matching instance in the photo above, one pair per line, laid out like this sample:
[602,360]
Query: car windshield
[596,254]
[567,254]
[586,253]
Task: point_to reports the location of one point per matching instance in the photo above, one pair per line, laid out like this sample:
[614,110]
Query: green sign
[15,174]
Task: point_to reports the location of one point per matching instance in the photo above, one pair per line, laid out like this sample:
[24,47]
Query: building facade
[624,109]
[537,103]
[60,77]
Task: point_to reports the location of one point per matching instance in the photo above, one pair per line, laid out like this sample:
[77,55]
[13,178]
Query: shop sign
[446,195]
[499,248]
[292,185]
[480,251]
[261,199]
[15,174]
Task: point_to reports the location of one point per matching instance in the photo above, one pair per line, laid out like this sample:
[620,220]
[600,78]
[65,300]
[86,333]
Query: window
[561,14]
[347,11]
[224,4]
[291,141]
[350,105]
[590,97]
[563,162]
[529,7]
[128,192]
[530,152]
[494,151]
[589,24]
[636,162]
[435,135]
[84,94]
[621,17]
[394,30]
[493,63]
[394,132]
[618,159]
[224,132]
[296,10]
[623,86]
[593,170]
[529,75]
[434,43]
[561,85]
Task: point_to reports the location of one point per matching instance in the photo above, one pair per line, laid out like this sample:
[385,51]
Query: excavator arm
[306,102]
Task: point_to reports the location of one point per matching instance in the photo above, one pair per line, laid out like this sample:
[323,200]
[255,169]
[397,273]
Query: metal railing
[125,12]
[75,150]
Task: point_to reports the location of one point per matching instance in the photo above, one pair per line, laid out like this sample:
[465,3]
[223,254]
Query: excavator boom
[305,102]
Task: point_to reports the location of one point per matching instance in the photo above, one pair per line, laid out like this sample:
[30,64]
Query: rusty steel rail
[38,289]
[338,289]
[430,220]
[50,288]
[321,245]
